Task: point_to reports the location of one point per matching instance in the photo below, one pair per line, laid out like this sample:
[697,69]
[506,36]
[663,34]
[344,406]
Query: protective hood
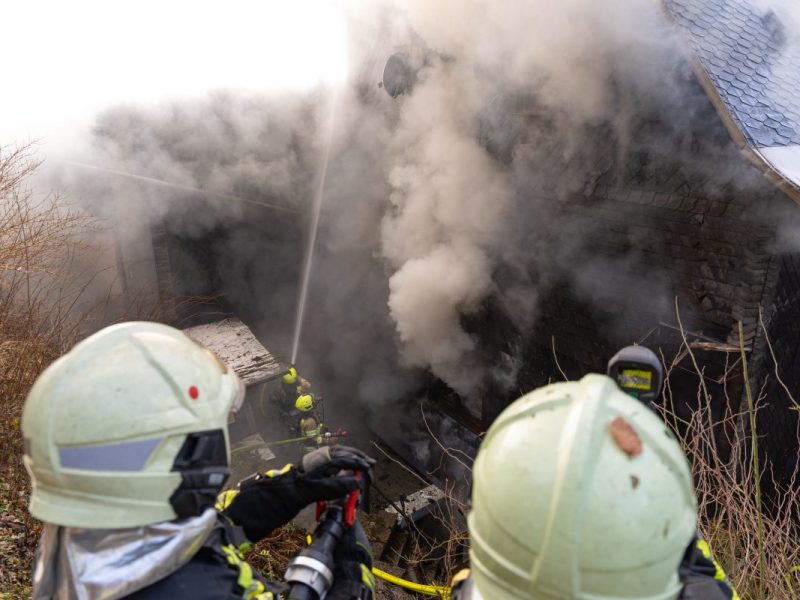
[74,563]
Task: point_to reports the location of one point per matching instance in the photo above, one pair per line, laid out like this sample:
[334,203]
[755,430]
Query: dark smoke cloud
[440,202]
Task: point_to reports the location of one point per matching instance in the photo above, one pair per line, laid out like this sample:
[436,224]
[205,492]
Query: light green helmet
[129,428]
[580,492]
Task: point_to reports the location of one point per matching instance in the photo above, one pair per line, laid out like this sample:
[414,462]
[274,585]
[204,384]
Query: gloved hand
[352,571]
[269,501]
[329,460]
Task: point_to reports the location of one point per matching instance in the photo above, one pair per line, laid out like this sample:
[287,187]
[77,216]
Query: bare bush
[759,548]
[38,236]
[271,555]
[434,552]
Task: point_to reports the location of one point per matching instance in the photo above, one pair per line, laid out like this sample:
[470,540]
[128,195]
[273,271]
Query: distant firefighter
[638,372]
[292,384]
[286,397]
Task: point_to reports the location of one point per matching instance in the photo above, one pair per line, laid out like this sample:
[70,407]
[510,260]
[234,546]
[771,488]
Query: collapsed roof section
[747,58]
[234,343]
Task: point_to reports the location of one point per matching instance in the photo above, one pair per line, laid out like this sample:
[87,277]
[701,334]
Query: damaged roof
[748,60]
[235,344]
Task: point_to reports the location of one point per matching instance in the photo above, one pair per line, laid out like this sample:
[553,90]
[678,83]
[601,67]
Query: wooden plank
[235,344]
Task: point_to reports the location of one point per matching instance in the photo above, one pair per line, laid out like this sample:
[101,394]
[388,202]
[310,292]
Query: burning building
[527,199]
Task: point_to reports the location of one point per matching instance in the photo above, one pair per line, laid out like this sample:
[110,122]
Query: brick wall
[778,413]
[661,228]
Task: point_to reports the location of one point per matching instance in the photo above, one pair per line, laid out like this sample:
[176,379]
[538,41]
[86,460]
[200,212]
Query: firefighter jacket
[701,575]
[199,558]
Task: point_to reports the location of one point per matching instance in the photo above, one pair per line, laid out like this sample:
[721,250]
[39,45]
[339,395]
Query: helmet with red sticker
[579,492]
[129,428]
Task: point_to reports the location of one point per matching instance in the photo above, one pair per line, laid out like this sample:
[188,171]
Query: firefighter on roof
[581,492]
[126,443]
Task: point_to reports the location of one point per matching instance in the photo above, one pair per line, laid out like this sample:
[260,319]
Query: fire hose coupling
[310,573]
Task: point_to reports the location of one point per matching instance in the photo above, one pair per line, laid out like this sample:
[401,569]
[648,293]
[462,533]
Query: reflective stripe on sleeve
[367,578]
[719,574]
[253,588]
[275,472]
[225,498]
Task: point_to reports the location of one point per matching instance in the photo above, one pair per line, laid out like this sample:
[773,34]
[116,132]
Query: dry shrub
[432,554]
[753,535]
[38,236]
[271,555]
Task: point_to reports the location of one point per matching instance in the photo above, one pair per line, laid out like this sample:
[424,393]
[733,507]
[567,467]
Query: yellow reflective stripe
[225,498]
[244,548]
[367,578]
[276,472]
[705,550]
[719,572]
[253,588]
[245,580]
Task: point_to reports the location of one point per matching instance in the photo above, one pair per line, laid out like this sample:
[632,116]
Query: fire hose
[339,433]
[442,591]
[429,590]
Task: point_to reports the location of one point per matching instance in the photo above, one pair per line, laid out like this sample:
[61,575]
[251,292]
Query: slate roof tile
[743,49]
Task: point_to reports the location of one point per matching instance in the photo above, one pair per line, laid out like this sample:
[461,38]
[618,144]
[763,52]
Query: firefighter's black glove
[272,500]
[352,567]
[329,460]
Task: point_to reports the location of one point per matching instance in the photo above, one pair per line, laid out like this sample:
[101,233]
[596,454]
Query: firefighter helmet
[304,402]
[290,376]
[580,492]
[129,428]
[638,372]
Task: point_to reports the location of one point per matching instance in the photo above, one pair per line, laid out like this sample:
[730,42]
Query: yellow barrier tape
[441,591]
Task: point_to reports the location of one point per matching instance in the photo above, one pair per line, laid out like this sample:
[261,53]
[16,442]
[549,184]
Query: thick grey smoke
[454,204]
[442,205]
[449,204]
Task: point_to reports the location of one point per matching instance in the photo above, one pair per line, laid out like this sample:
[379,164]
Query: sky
[64,61]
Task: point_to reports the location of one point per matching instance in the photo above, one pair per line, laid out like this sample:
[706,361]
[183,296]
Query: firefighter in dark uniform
[290,398]
[579,492]
[127,446]
[292,386]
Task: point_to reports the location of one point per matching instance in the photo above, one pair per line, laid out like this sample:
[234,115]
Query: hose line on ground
[429,590]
